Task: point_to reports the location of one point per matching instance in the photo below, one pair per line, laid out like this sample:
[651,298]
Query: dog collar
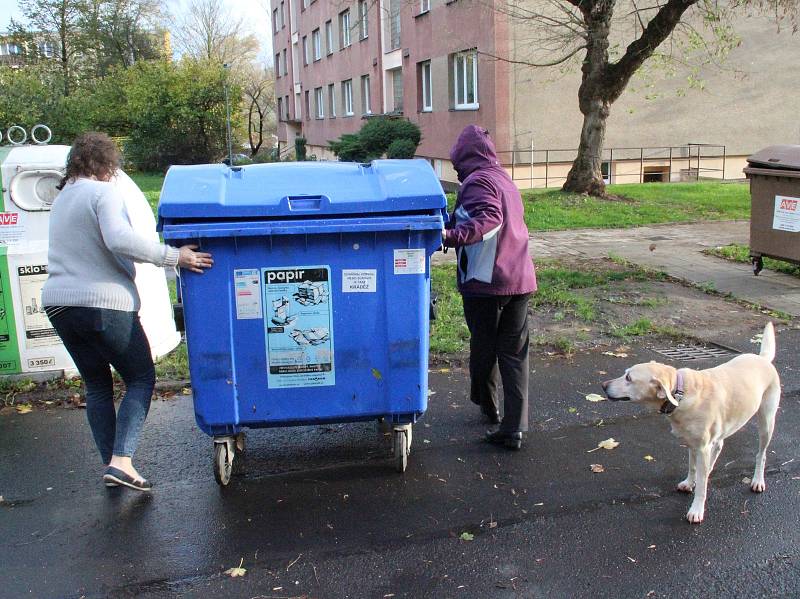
[668,407]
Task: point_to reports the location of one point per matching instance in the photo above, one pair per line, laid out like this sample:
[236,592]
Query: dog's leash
[673,400]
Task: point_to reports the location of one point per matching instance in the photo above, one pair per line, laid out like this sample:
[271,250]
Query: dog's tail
[768,342]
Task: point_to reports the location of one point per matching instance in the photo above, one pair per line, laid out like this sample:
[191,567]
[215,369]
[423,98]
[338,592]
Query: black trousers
[498,350]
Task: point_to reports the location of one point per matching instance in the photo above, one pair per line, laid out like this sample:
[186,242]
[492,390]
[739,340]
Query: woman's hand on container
[194,261]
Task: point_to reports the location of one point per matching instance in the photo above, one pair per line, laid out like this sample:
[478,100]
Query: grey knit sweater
[93,249]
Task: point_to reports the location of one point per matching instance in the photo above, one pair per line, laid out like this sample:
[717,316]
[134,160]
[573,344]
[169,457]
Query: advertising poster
[38,330]
[298,319]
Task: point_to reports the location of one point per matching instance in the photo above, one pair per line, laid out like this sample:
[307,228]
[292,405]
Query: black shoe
[115,477]
[510,440]
[492,413]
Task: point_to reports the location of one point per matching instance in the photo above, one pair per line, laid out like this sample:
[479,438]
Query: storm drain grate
[695,352]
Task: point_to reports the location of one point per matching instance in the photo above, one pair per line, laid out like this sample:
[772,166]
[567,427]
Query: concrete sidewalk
[677,250]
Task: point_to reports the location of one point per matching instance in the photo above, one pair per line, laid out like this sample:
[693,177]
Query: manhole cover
[694,352]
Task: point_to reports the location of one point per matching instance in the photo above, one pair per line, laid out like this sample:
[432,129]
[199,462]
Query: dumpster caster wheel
[758,264]
[402,447]
[223,463]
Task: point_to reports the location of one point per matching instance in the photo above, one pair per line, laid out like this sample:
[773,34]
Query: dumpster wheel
[223,461]
[401,445]
[758,264]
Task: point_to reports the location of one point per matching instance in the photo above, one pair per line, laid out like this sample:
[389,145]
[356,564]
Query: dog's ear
[663,391]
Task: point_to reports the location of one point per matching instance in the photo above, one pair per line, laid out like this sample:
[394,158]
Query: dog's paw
[685,486]
[695,516]
[758,486]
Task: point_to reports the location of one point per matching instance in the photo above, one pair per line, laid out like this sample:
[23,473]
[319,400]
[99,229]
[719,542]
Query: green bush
[374,139]
[401,148]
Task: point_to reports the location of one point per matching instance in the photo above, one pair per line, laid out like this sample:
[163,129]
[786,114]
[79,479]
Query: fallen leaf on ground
[595,397]
[615,354]
[234,572]
[607,444]
[186,391]
[746,480]
[24,408]
[467,536]
[572,410]
[757,338]
[649,458]
[597,468]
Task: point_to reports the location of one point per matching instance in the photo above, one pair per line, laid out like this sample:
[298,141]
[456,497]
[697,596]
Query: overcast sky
[254,12]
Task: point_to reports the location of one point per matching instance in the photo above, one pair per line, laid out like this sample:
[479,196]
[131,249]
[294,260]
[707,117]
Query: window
[280,109]
[394,24]
[305,50]
[305,4]
[366,105]
[308,106]
[319,108]
[397,90]
[347,97]
[47,49]
[465,80]
[278,65]
[344,29]
[316,42]
[424,6]
[363,19]
[331,100]
[283,15]
[426,94]
[286,106]
[275,22]
[329,37]
[285,63]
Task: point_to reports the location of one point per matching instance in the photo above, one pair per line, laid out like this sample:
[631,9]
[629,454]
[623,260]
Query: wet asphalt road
[320,512]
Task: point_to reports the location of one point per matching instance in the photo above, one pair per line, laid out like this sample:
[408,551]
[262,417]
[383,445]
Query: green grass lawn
[741,253]
[150,184]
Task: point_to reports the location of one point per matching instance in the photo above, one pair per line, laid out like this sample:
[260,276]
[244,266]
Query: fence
[689,162]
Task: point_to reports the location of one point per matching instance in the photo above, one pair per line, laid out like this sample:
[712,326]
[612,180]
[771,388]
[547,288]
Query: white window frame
[460,80]
[344,25]
[332,100]
[363,17]
[366,99]
[347,97]
[329,37]
[319,103]
[424,6]
[427,83]
[316,44]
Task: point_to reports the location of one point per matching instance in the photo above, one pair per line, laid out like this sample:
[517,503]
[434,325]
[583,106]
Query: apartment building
[15,52]
[434,62]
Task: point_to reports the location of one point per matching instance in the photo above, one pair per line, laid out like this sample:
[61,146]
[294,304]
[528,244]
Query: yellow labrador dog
[705,407]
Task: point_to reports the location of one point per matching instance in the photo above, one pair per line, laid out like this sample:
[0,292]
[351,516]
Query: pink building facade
[430,61]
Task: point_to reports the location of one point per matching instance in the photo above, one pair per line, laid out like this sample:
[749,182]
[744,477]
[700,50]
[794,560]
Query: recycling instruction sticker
[298,320]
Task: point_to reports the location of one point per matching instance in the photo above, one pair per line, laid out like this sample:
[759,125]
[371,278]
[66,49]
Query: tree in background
[210,32]
[176,113]
[60,22]
[258,92]
[595,33]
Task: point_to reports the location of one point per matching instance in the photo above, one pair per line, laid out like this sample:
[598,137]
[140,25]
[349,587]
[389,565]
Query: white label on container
[11,230]
[409,262]
[359,281]
[38,330]
[247,286]
[48,362]
[787,214]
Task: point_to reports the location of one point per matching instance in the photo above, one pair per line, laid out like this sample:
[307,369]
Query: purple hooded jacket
[487,226]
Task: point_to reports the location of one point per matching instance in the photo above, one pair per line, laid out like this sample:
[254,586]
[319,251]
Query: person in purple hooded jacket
[495,277]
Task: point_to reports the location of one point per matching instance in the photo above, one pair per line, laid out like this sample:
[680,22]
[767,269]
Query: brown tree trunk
[586,175]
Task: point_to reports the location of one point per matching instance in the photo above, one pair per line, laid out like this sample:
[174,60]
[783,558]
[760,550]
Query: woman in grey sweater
[91,299]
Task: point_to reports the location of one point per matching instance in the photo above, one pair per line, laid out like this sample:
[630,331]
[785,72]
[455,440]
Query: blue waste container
[317,307]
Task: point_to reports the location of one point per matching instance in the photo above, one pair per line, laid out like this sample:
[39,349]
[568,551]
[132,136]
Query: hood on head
[474,149]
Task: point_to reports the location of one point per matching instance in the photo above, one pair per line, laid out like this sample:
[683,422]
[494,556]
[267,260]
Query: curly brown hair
[93,154]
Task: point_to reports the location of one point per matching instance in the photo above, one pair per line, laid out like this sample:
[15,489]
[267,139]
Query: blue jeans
[97,339]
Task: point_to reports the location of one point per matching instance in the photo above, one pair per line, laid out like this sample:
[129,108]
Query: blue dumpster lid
[297,189]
